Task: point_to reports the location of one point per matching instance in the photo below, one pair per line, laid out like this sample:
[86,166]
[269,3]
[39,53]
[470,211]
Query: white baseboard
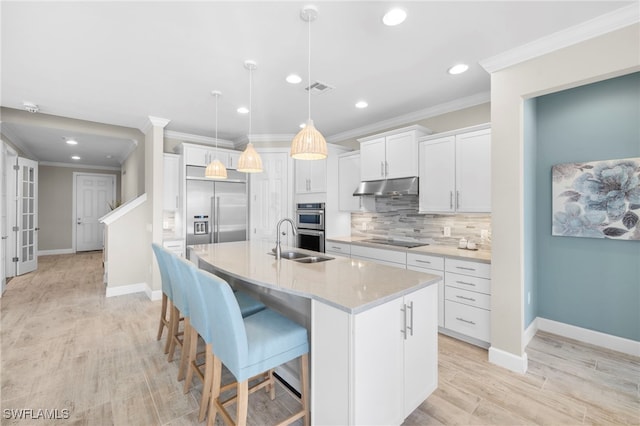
[153,294]
[529,332]
[508,360]
[608,341]
[126,289]
[52,252]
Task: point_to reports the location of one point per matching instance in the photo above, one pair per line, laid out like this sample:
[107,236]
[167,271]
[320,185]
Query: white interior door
[27,228]
[94,194]
[269,197]
[11,209]
[3,216]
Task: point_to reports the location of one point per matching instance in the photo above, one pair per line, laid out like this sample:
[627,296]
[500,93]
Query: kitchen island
[373,328]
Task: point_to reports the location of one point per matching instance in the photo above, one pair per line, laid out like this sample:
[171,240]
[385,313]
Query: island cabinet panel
[386,358]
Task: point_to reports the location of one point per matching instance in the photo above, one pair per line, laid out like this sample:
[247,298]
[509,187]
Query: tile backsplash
[398,218]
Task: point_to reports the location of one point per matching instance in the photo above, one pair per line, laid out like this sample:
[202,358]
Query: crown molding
[154,122]
[78,166]
[15,140]
[455,105]
[595,27]
[204,140]
[264,138]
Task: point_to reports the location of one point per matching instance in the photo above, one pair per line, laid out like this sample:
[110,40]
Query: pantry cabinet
[171,185]
[391,155]
[455,172]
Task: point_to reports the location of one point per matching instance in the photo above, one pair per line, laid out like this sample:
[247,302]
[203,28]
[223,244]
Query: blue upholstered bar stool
[167,294]
[249,347]
[199,324]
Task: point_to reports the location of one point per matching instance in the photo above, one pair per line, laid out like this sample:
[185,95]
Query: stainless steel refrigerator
[217,210]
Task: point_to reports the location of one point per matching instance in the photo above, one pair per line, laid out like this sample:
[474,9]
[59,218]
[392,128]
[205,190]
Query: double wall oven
[310,224]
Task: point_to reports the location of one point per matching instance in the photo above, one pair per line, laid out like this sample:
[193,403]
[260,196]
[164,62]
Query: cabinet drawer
[467,320]
[471,298]
[482,270]
[174,246]
[380,254]
[425,261]
[466,282]
[339,248]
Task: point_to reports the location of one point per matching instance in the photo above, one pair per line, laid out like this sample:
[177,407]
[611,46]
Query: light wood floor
[65,346]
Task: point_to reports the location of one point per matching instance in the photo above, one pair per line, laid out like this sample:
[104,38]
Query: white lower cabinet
[342,249]
[430,265]
[392,361]
[382,256]
[467,292]
[175,246]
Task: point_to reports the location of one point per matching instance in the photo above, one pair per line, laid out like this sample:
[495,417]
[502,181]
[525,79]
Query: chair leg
[163,316]
[206,383]
[304,382]
[271,388]
[215,391]
[242,403]
[175,324]
[191,356]
[186,347]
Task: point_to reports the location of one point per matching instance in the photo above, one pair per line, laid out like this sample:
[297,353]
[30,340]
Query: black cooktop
[397,243]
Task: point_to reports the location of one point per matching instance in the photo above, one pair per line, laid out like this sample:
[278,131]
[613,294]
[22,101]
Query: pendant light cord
[250,100]
[309,69]
[217,125]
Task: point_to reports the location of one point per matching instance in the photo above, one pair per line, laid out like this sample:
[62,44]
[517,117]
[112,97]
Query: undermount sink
[296,256]
[312,259]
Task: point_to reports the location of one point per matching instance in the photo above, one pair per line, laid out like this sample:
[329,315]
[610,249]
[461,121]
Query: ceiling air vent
[318,88]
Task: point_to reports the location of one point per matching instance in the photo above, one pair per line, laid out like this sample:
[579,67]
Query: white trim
[474,128]
[455,105]
[508,360]
[114,215]
[203,140]
[53,252]
[595,27]
[16,140]
[608,341]
[154,122]
[530,332]
[79,166]
[415,127]
[121,290]
[153,295]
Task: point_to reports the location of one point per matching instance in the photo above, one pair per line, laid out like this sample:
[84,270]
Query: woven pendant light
[215,169]
[309,144]
[250,161]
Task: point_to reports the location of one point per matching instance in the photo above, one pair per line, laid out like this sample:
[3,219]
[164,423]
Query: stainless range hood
[388,187]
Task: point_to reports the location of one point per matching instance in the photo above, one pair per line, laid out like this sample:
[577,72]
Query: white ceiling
[120,62]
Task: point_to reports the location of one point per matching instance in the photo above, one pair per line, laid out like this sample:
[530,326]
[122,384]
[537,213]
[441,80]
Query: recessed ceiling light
[394,17]
[243,110]
[458,69]
[109,157]
[303,125]
[361,104]
[294,79]
[75,157]
[72,142]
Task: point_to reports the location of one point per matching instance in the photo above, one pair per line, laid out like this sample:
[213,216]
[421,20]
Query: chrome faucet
[293,228]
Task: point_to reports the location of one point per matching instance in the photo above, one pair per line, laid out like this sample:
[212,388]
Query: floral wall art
[599,199]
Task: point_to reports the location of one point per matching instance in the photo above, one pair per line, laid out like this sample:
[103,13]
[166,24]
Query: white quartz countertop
[483,256]
[350,285]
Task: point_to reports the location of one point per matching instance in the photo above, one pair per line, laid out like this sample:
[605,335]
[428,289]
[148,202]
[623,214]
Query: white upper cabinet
[311,176]
[201,156]
[349,179]
[455,173]
[391,155]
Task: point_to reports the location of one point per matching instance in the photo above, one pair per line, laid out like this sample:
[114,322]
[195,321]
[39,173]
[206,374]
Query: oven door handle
[310,232]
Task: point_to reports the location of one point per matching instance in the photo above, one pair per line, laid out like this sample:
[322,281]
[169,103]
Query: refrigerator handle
[217,219]
[213,222]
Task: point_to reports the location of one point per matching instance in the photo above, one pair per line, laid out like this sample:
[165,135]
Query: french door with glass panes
[27,223]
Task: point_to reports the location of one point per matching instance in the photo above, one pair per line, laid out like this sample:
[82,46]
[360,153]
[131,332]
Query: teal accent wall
[586,282]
